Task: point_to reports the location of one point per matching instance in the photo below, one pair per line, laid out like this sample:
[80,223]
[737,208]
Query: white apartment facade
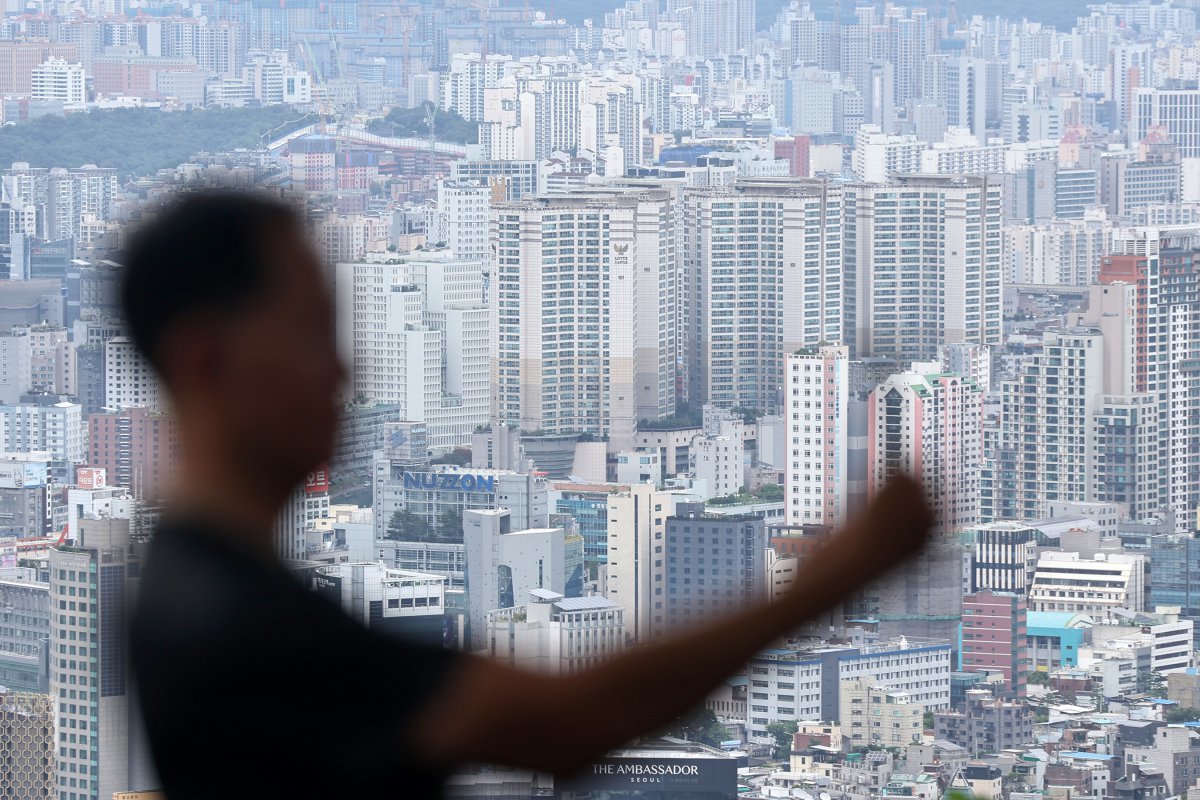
[129,380]
[928,423]
[1046,430]
[762,267]
[583,336]
[927,265]
[816,479]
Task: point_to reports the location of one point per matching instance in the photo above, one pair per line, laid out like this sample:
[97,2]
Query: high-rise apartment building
[720,27]
[584,313]
[1045,451]
[762,272]
[129,380]
[927,423]
[1176,110]
[99,747]
[960,83]
[825,472]
[923,265]
[1162,265]
[460,220]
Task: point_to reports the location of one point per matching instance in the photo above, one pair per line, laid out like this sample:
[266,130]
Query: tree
[927,722]
[748,415]
[459,457]
[771,492]
[699,725]
[407,526]
[450,525]
[1037,678]
[1151,682]
[781,732]
[140,141]
[1178,715]
[414,122]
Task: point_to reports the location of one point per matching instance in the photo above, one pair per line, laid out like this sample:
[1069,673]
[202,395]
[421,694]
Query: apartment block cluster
[699,282]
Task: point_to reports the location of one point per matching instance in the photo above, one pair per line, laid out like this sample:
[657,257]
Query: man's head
[227,300]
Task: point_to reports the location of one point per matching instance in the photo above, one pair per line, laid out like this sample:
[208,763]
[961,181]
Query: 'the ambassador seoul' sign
[450,481]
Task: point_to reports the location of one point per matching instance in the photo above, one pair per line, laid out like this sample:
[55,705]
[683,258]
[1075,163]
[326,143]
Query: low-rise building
[391,601]
[986,724]
[875,716]
[556,635]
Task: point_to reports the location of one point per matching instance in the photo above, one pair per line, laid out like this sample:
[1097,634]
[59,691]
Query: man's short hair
[205,253]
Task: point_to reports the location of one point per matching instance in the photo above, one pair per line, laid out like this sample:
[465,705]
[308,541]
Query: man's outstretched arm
[495,714]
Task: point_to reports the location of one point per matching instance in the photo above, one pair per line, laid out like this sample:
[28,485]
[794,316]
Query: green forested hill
[139,141]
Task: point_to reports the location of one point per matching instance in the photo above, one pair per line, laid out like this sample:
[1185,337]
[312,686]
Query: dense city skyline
[641,301]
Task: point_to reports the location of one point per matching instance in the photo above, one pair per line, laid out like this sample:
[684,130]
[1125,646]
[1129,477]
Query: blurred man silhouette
[251,686]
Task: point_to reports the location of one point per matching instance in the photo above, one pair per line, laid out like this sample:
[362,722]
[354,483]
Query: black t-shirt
[252,686]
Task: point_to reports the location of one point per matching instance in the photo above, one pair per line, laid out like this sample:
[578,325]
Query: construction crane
[484,10]
[325,106]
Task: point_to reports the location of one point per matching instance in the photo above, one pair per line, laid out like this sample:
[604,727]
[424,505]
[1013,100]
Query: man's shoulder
[195,581]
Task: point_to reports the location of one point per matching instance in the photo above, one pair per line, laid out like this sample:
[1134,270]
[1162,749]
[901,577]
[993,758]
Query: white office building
[1097,586]
[504,564]
[798,683]
[556,635]
[59,80]
[57,429]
